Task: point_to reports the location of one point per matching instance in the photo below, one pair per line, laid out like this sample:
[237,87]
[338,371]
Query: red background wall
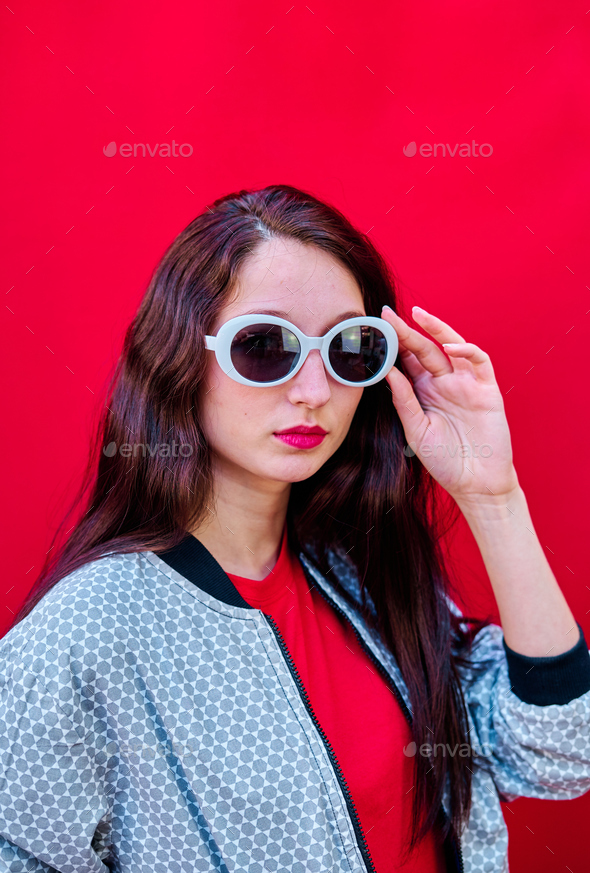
[323,97]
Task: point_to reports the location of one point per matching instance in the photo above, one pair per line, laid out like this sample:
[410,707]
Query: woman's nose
[311,384]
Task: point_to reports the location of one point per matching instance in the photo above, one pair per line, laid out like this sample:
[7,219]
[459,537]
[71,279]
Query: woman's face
[313,291]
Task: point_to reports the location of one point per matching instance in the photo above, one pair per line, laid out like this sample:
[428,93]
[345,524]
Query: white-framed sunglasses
[266,350]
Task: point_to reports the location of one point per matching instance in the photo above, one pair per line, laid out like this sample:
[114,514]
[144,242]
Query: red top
[354,706]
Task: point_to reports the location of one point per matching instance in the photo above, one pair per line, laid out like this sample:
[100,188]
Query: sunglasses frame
[221,345]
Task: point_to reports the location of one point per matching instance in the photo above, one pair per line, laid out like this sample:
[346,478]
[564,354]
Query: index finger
[428,354]
[435,326]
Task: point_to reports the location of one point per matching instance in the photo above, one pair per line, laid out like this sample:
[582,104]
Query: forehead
[307,284]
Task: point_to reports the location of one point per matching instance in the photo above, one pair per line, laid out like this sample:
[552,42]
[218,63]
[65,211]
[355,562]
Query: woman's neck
[244,526]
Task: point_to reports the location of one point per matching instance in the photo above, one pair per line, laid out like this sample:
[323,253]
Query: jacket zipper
[356,822]
[362,841]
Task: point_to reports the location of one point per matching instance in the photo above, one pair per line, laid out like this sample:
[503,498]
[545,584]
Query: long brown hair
[369,498]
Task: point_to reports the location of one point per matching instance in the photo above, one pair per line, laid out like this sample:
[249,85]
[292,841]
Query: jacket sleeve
[54,804]
[531,749]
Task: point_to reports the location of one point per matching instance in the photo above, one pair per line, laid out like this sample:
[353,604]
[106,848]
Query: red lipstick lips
[302,428]
[302,436]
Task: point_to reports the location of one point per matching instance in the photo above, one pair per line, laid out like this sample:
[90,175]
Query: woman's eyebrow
[281,314]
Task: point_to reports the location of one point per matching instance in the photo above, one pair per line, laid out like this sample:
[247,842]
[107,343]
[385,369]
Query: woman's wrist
[481,508]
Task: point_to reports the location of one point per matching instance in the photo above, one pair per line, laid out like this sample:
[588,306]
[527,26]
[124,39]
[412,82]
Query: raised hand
[452,411]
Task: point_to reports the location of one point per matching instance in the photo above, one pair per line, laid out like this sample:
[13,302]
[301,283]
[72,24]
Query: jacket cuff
[556,679]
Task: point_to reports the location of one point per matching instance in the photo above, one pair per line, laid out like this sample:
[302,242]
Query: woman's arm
[535,617]
[534,745]
[453,417]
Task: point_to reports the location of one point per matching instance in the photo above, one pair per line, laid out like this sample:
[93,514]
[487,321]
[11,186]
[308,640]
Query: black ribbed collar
[195,562]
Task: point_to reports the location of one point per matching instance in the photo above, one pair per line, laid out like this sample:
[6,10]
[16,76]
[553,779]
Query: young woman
[245,656]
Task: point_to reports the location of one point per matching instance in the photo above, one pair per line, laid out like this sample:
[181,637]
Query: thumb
[406,404]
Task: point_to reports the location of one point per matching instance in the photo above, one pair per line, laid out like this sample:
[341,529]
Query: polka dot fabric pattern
[147,725]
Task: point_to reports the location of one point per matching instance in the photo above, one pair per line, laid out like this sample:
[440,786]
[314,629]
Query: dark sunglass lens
[264,352]
[357,353]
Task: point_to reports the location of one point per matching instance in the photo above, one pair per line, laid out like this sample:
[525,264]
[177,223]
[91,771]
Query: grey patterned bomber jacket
[151,720]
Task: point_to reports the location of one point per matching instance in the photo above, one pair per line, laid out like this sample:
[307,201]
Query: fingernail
[386,307]
[419,308]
